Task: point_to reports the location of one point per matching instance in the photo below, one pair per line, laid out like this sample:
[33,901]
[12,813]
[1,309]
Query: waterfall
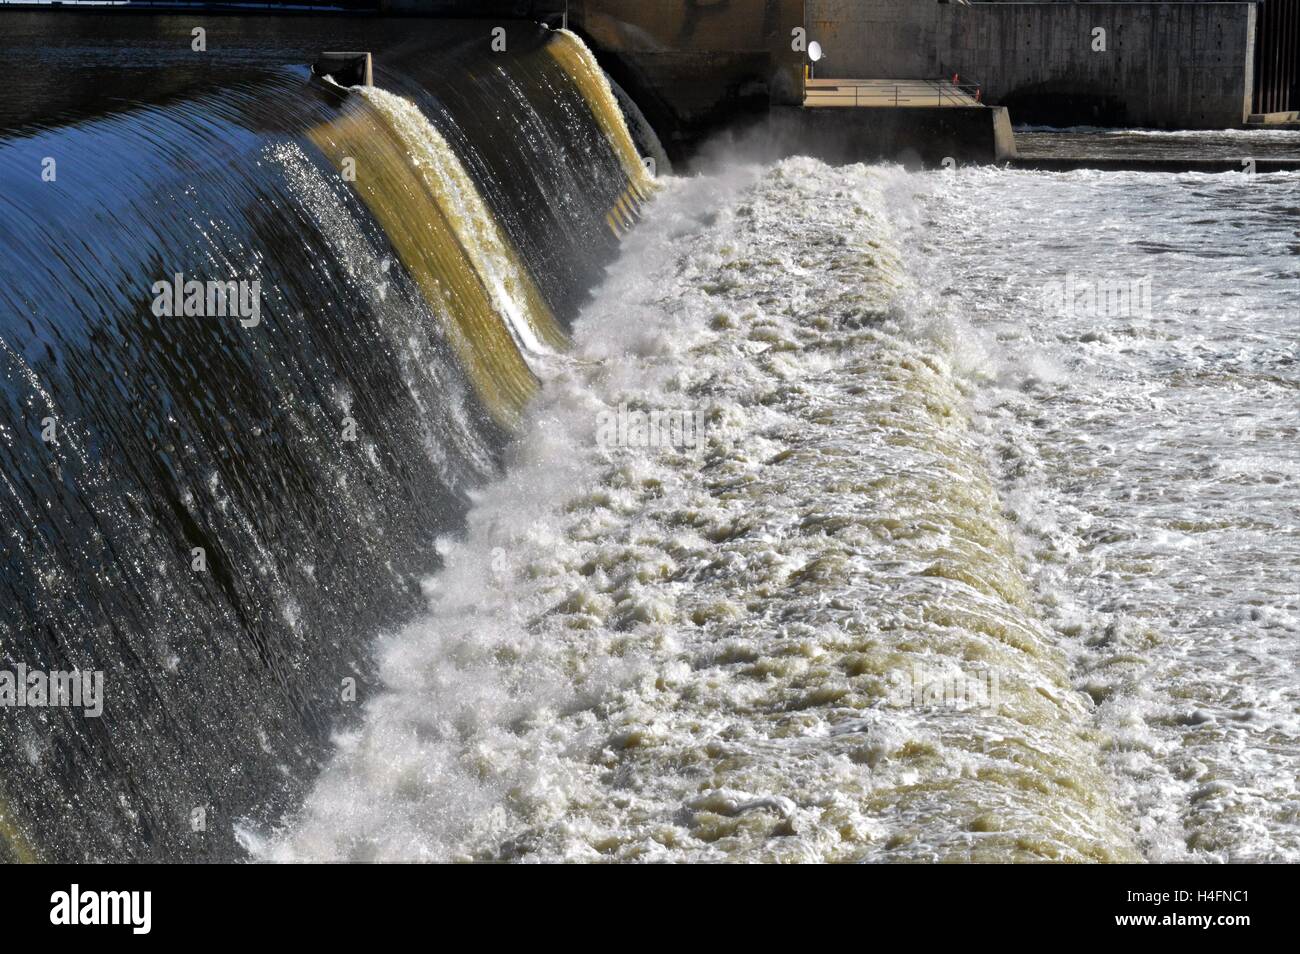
[218,509]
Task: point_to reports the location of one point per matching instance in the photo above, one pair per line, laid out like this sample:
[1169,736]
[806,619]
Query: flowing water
[919,468]
[829,514]
[1149,457]
[1038,142]
[217,510]
[683,652]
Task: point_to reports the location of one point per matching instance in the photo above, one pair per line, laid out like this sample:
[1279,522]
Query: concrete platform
[890,93]
[1141,164]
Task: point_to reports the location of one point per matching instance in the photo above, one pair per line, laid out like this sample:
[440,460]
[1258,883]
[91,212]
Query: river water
[956,424]
[1148,455]
[768,512]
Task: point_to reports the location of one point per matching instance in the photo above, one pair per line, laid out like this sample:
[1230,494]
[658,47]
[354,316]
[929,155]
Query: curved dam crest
[219,515]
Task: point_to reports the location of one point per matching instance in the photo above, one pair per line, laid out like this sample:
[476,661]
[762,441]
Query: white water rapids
[952,577]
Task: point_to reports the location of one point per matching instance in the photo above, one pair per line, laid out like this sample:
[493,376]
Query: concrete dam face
[208,518]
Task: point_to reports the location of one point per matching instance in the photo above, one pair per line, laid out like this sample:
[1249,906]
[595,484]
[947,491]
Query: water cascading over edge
[311,457]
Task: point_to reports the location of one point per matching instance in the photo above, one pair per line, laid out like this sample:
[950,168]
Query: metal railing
[911,93]
[963,82]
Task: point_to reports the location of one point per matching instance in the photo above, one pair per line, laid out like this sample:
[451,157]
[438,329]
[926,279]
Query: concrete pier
[919,122]
[916,136]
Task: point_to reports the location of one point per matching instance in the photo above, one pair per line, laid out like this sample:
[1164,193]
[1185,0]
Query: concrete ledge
[1138,164]
[914,136]
[1289,118]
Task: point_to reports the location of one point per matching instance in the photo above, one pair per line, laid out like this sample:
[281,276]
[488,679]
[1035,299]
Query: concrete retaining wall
[871,39]
[1167,65]
[913,136]
[1182,65]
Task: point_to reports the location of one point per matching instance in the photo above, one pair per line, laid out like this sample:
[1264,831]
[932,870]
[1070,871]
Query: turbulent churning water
[914,464]
[1150,460]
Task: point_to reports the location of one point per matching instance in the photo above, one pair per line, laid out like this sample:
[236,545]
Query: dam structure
[252,493]
[690,71]
[642,430]
[1197,64]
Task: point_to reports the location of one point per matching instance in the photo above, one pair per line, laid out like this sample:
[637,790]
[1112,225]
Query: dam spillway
[404,473]
[182,522]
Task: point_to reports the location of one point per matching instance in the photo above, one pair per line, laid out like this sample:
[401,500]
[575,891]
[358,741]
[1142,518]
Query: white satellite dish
[814,51]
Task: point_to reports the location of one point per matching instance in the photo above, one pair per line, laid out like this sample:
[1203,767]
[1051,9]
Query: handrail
[943,92]
[957,77]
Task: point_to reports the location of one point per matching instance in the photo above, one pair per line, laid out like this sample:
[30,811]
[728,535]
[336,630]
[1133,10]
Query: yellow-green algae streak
[579,62]
[14,847]
[405,178]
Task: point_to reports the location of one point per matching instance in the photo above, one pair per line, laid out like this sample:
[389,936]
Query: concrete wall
[1167,65]
[912,135]
[874,39]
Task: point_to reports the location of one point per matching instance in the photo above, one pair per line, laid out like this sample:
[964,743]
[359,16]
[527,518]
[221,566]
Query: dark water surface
[1038,142]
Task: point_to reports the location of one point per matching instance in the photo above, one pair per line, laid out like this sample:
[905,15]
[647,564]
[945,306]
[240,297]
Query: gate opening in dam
[1276,91]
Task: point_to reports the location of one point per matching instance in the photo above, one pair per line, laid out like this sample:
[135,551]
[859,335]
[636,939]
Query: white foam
[694,652]
[1152,472]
